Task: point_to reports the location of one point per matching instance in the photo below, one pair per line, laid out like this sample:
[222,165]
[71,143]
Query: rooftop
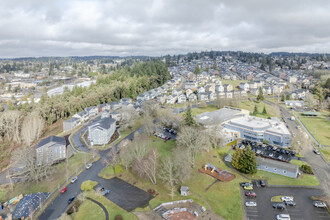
[219,116]
[277,164]
[53,139]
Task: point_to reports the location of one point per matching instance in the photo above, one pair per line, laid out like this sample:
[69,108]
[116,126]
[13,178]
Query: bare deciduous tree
[10,125]
[168,118]
[151,108]
[194,140]
[128,116]
[167,173]
[148,125]
[29,170]
[147,167]
[182,164]
[32,127]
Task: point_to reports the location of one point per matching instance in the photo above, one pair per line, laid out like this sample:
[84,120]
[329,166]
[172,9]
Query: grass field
[88,209]
[200,110]
[319,128]
[234,83]
[126,132]
[326,153]
[249,105]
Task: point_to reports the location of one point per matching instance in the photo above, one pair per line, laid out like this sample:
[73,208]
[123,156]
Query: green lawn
[200,110]
[234,83]
[298,162]
[87,211]
[276,179]
[163,147]
[326,153]
[319,128]
[126,132]
[249,105]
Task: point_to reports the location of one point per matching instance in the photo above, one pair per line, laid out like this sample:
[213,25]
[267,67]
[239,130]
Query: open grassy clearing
[249,105]
[47,185]
[319,128]
[87,212]
[298,162]
[326,153]
[126,132]
[200,110]
[234,83]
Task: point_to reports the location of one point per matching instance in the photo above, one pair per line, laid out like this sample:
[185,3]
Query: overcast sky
[160,27]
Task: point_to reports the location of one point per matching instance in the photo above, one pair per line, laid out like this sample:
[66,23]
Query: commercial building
[101,131]
[51,150]
[259,129]
[281,168]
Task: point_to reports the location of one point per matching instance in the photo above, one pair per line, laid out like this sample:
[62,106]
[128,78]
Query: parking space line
[323,217]
[321,212]
[252,210]
[254,215]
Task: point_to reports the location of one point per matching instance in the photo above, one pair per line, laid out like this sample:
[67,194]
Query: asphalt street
[60,203]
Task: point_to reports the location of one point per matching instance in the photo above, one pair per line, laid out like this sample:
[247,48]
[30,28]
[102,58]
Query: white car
[287,198]
[319,204]
[283,217]
[89,166]
[250,204]
[74,179]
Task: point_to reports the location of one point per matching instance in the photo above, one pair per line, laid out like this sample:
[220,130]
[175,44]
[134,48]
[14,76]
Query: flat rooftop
[219,116]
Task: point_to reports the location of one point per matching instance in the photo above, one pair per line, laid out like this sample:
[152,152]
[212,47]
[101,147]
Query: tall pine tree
[188,118]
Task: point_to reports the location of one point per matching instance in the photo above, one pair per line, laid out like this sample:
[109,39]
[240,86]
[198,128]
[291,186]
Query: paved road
[59,204]
[321,168]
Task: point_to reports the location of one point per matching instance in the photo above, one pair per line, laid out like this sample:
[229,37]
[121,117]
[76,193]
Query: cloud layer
[159,27]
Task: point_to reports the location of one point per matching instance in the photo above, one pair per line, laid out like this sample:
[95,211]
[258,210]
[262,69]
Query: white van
[283,217]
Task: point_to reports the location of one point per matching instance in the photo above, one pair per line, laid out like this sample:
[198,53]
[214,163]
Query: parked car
[290,203]
[251,194]
[89,166]
[246,184]
[278,205]
[74,179]
[71,199]
[105,192]
[283,217]
[286,198]
[250,187]
[316,151]
[64,190]
[250,204]
[319,204]
[262,183]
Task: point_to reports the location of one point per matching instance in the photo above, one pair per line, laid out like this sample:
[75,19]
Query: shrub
[88,185]
[306,169]
[119,217]
[118,169]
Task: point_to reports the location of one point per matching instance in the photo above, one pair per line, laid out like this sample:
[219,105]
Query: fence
[55,193]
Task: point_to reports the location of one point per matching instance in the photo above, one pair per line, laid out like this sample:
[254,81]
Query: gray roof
[28,204]
[73,119]
[218,116]
[104,123]
[277,164]
[82,113]
[53,139]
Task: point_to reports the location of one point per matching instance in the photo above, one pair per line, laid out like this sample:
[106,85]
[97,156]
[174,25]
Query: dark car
[251,194]
[262,183]
[290,203]
[278,205]
[287,152]
[282,151]
[71,199]
[293,153]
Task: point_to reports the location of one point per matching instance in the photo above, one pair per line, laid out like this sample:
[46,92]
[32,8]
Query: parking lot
[125,195]
[270,151]
[304,210]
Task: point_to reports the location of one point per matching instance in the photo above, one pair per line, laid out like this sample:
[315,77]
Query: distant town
[203,135]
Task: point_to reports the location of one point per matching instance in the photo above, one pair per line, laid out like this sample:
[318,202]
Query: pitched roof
[53,139]
[277,164]
[103,123]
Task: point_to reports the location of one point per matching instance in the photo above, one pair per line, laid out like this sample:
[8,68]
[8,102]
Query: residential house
[92,111]
[192,97]
[212,96]
[105,114]
[228,87]
[115,105]
[254,91]
[200,90]
[219,88]
[229,95]
[281,168]
[182,98]
[51,150]
[243,94]
[267,90]
[83,115]
[100,132]
[177,92]
[244,86]
[294,103]
[161,99]
[129,100]
[184,191]
[210,88]
[275,89]
[190,85]
[253,85]
[71,124]
[221,95]
[188,92]
[203,96]
[292,79]
[103,107]
[236,94]
[171,99]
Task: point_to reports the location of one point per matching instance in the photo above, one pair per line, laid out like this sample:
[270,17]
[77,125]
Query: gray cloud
[146,27]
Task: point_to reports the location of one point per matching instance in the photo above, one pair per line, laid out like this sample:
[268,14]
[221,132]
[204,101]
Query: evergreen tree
[255,111]
[264,111]
[197,70]
[288,96]
[260,96]
[188,118]
[235,161]
[248,162]
[282,98]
